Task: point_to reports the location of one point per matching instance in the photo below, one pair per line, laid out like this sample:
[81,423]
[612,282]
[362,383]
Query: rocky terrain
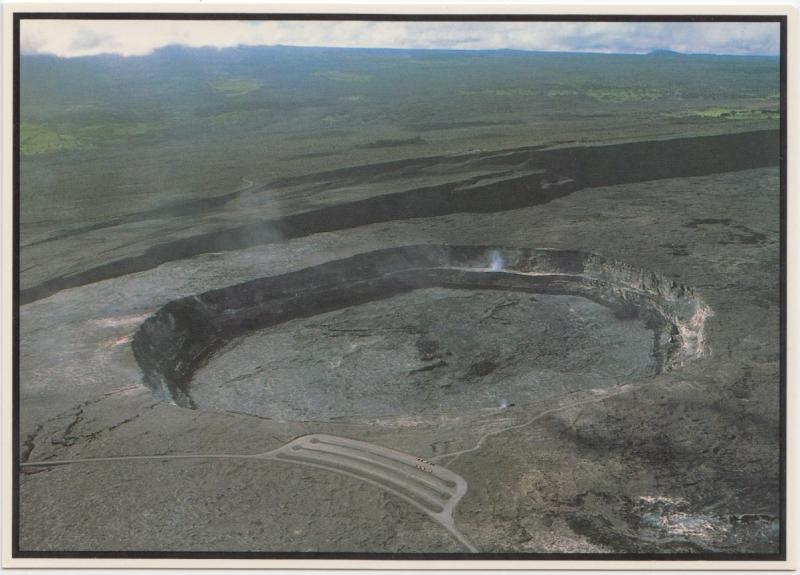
[536,350]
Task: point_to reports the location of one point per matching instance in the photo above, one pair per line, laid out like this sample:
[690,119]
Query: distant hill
[665,53]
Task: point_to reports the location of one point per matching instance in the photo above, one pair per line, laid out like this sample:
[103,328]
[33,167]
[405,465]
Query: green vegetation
[100,133]
[343,76]
[40,139]
[501,92]
[233,116]
[184,123]
[235,86]
[181,95]
[37,139]
[562,93]
[333,119]
[620,95]
[731,114]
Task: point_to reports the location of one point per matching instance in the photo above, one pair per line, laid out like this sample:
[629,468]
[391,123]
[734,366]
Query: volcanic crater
[422,329]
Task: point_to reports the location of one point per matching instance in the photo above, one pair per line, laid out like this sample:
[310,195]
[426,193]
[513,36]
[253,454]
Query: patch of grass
[624,94]
[562,93]
[231,116]
[97,133]
[235,86]
[334,119]
[343,76]
[40,139]
[719,113]
[37,139]
[502,92]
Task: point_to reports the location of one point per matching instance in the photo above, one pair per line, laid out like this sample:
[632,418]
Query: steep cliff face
[488,182]
[181,337]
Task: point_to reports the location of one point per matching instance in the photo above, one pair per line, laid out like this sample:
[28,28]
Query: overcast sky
[69,38]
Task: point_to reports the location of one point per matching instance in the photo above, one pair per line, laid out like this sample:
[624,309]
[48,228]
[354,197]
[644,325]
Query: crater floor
[430,351]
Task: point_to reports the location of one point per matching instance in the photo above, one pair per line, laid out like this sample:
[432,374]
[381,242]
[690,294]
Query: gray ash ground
[432,351]
[601,455]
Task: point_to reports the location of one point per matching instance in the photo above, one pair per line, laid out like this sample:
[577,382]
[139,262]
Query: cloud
[69,38]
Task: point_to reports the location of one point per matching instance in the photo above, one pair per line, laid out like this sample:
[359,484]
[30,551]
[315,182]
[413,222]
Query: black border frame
[17,553]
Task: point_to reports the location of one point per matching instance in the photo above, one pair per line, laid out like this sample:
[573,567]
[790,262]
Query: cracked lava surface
[596,449]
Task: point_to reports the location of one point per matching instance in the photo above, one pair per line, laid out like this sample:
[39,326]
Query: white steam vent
[496,261]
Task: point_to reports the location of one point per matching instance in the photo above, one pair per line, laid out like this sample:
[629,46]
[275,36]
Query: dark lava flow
[525,177]
[183,335]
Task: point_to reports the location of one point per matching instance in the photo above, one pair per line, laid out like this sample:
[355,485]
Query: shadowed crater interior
[419,329]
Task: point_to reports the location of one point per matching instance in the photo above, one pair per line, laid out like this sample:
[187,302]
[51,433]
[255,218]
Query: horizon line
[653,51]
